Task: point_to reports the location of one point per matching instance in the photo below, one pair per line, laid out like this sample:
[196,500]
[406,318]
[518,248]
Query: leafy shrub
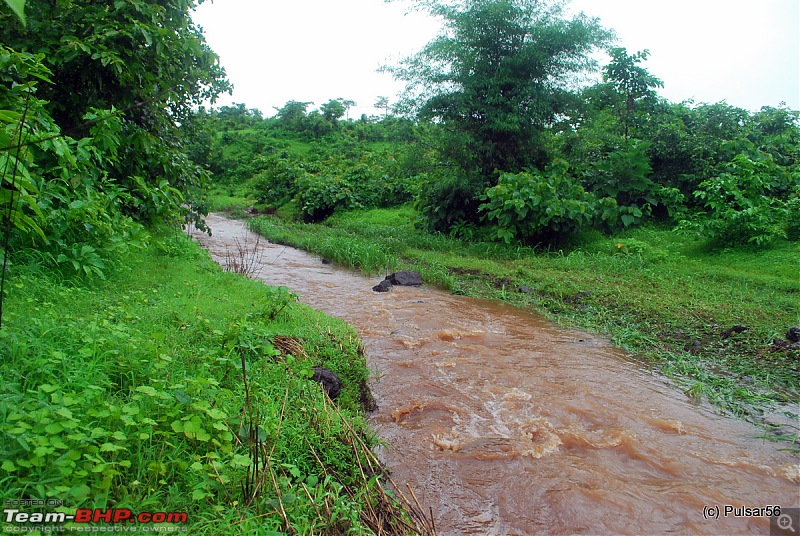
[539,207]
[447,199]
[275,185]
[377,180]
[741,203]
[320,195]
[88,218]
[624,176]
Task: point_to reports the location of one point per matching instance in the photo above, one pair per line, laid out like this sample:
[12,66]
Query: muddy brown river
[505,424]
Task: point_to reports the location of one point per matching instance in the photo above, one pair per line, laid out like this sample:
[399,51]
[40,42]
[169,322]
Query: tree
[495,78]
[144,60]
[347,103]
[292,115]
[383,104]
[498,74]
[333,110]
[631,81]
[143,53]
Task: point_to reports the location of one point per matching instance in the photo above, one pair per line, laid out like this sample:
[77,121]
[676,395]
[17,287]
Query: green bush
[624,176]
[320,195]
[742,203]
[447,199]
[377,180]
[539,207]
[275,185]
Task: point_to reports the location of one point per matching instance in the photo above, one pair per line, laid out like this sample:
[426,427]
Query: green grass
[665,298]
[232,201]
[175,387]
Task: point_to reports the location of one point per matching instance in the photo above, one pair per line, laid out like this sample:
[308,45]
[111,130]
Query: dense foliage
[492,113]
[493,80]
[712,170]
[92,95]
[348,164]
[538,205]
[496,76]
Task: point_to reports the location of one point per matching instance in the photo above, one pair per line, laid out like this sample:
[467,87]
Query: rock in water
[405,278]
[329,380]
[383,286]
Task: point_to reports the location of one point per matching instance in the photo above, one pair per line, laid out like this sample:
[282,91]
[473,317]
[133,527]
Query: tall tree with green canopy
[333,110]
[631,81]
[496,76]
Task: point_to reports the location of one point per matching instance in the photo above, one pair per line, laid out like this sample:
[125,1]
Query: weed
[245,259]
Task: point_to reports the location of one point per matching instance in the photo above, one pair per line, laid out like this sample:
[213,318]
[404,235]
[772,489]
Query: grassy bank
[175,387]
[669,300]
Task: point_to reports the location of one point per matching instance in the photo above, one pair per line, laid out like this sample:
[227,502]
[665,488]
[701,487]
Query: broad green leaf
[9,466]
[241,460]
[18,7]
[147,390]
[53,428]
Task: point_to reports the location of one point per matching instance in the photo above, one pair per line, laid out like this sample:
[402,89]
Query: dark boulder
[329,380]
[383,286]
[405,278]
[793,334]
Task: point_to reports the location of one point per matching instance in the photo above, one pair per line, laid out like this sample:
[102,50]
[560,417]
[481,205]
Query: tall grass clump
[337,245]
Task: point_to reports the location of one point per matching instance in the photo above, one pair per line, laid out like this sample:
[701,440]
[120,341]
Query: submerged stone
[383,286]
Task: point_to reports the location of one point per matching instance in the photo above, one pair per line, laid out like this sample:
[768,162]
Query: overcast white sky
[745,52]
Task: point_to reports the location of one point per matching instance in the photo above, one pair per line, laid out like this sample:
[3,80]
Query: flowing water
[503,423]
